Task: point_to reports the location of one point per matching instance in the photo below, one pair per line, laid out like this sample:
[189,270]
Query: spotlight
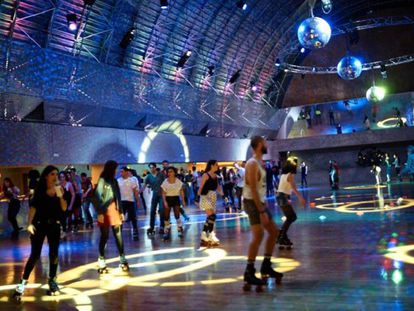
[383,70]
[277,64]
[210,72]
[164,4]
[253,87]
[302,50]
[235,77]
[127,39]
[326,6]
[242,5]
[89,2]
[184,58]
[72,21]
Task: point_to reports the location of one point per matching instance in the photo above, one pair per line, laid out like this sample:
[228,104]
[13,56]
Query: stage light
[314,33]
[72,21]
[383,70]
[277,64]
[327,6]
[164,4]
[242,5]
[302,50]
[184,58]
[89,2]
[235,77]
[210,72]
[375,94]
[127,39]
[349,68]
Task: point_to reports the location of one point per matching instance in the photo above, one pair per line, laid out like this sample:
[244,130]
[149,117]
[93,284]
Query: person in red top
[87,194]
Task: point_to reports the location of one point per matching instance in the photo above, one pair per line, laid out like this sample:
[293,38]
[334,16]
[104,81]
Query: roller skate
[18,292]
[102,268]
[167,235]
[150,231]
[267,272]
[53,287]
[284,242]
[250,280]
[180,232]
[161,230]
[123,263]
[213,240]
[204,241]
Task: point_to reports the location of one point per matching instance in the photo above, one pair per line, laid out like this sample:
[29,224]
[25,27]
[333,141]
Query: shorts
[253,212]
[111,217]
[173,201]
[208,202]
[282,199]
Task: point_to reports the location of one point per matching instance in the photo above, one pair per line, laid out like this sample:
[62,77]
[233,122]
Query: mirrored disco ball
[314,33]
[349,68]
[375,94]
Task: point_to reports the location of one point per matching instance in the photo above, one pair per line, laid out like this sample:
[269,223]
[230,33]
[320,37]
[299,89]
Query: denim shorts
[253,213]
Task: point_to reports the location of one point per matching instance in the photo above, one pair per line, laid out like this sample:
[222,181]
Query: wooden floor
[341,260]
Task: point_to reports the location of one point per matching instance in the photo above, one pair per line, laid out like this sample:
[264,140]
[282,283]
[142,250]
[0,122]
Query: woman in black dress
[45,214]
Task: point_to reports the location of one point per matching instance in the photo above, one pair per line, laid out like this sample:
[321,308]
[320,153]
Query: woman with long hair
[44,218]
[172,190]
[208,199]
[287,185]
[108,208]
[11,193]
[69,196]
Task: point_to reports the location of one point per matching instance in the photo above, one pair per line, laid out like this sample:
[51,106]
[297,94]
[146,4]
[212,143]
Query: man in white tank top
[254,202]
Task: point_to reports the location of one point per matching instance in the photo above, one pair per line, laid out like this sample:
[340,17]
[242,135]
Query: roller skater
[102,268]
[108,207]
[254,198]
[208,199]
[172,190]
[45,213]
[286,187]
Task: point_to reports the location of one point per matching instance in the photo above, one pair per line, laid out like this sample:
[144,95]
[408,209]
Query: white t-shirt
[240,176]
[127,187]
[172,189]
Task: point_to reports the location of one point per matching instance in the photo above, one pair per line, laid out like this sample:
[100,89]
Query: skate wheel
[247,287]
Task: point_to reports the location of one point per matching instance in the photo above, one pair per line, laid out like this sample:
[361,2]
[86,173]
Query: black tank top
[211,184]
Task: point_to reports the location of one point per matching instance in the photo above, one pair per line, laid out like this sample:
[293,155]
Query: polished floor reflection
[353,250]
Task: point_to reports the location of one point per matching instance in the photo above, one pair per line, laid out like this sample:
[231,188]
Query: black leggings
[228,192]
[117,231]
[13,210]
[288,211]
[52,232]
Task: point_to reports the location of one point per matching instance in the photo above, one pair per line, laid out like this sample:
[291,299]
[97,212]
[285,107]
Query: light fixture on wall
[127,39]
[164,4]
[72,21]
[184,58]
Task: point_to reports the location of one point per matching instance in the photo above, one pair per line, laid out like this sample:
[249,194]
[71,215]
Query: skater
[376,170]
[110,215]
[286,187]
[388,166]
[11,193]
[240,182]
[254,202]
[45,214]
[208,199]
[69,197]
[334,175]
[397,165]
[172,190]
[129,189]
[304,174]
[154,181]
[228,186]
[87,193]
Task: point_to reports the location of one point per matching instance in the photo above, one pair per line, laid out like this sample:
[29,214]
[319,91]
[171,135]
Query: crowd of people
[61,202]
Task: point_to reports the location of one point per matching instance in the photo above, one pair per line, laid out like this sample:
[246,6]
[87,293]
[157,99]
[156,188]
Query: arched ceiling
[218,33]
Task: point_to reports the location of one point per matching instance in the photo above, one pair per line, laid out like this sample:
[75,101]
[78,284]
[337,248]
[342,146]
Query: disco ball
[375,94]
[314,33]
[349,68]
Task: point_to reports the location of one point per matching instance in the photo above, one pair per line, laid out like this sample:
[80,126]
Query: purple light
[254,88]
[73,26]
